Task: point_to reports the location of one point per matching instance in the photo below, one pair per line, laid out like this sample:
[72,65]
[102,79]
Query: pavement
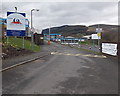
[65,71]
[20,59]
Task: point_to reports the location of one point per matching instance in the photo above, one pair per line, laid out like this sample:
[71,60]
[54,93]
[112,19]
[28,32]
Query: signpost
[99,30]
[16,24]
[94,37]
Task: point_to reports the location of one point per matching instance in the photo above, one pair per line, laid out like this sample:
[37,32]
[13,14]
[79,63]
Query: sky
[53,14]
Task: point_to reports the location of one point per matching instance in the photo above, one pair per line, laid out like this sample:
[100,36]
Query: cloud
[66,13]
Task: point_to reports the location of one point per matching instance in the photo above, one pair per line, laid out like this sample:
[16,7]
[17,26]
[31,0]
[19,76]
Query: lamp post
[16,9]
[32,38]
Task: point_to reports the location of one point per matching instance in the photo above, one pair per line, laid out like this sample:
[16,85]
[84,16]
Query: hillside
[80,30]
[67,30]
[105,27]
[109,34]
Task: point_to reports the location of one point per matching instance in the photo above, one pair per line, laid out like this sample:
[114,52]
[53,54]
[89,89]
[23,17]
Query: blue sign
[16,24]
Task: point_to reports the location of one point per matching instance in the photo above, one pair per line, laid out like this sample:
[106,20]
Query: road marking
[92,75]
[39,60]
[86,67]
[86,55]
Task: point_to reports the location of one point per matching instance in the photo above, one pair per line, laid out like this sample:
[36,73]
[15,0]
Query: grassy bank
[17,43]
[89,42]
[91,51]
[87,50]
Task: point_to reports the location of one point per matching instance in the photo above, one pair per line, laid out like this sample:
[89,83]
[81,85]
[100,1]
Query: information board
[96,36]
[109,48]
[98,30]
[16,24]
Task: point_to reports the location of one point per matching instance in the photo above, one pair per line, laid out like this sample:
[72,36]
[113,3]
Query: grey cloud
[60,13]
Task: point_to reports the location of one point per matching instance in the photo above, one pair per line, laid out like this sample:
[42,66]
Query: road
[65,71]
[0,68]
[88,47]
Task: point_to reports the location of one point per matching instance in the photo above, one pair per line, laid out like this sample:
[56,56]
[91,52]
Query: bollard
[48,42]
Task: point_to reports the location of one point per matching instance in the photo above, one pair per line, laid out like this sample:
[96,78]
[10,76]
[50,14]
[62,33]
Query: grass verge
[87,43]
[91,51]
[17,43]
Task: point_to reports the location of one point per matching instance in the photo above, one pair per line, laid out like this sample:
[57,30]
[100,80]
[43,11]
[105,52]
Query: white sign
[41,37]
[95,36]
[109,48]
[15,24]
[98,30]
[15,21]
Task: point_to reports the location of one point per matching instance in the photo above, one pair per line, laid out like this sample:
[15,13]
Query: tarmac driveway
[65,71]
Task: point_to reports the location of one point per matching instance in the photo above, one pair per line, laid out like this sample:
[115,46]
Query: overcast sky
[66,13]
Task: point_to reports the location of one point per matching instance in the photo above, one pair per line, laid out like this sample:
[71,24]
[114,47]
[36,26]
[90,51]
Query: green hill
[67,30]
[109,31]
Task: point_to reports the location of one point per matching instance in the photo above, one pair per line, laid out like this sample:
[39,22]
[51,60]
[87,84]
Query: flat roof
[53,34]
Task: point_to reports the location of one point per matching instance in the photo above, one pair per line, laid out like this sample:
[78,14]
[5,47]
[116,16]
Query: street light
[32,39]
[16,9]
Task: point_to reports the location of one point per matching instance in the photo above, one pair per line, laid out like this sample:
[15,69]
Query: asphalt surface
[19,59]
[65,71]
[0,68]
[88,47]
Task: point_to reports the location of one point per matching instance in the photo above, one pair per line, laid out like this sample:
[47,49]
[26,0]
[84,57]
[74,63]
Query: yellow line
[87,55]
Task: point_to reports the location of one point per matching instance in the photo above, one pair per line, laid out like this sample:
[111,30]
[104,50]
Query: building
[71,40]
[38,39]
[2,27]
[53,37]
